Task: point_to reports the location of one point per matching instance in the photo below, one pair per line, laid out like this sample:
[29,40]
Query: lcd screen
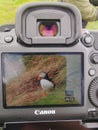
[42,79]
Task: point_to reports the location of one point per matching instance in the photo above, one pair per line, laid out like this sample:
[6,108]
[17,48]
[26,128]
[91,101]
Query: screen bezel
[52,105]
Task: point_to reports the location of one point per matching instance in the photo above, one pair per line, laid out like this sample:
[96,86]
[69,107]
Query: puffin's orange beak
[39,78]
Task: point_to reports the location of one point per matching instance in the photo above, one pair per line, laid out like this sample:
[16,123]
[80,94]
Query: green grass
[92,25]
[8,9]
[56,96]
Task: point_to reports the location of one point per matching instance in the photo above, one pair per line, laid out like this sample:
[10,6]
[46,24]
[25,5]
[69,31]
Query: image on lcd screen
[42,79]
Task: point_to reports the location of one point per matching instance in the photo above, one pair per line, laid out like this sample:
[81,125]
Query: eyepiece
[48,28]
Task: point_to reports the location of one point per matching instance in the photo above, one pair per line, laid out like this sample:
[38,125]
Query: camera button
[87,40]
[92,113]
[94,58]
[8,39]
[92,72]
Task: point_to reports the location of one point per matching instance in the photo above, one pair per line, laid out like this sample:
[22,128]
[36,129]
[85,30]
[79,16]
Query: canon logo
[44,112]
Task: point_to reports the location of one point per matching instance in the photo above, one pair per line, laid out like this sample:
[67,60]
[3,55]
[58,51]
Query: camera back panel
[49,66]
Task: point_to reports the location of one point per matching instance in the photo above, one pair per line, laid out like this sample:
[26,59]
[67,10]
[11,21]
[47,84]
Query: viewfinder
[48,28]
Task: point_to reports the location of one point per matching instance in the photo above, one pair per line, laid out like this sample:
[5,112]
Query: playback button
[8,39]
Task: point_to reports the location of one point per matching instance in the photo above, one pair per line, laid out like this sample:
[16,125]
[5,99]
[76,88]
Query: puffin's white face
[42,75]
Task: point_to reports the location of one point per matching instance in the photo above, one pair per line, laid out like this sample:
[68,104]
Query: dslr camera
[49,66]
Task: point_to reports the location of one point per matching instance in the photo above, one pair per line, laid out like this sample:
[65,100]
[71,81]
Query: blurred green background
[8,10]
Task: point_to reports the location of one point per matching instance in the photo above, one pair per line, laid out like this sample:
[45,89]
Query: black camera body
[49,66]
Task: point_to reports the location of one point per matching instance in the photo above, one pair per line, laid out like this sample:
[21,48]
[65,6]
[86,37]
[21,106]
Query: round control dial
[93,92]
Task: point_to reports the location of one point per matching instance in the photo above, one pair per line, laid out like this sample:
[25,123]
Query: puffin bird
[45,82]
